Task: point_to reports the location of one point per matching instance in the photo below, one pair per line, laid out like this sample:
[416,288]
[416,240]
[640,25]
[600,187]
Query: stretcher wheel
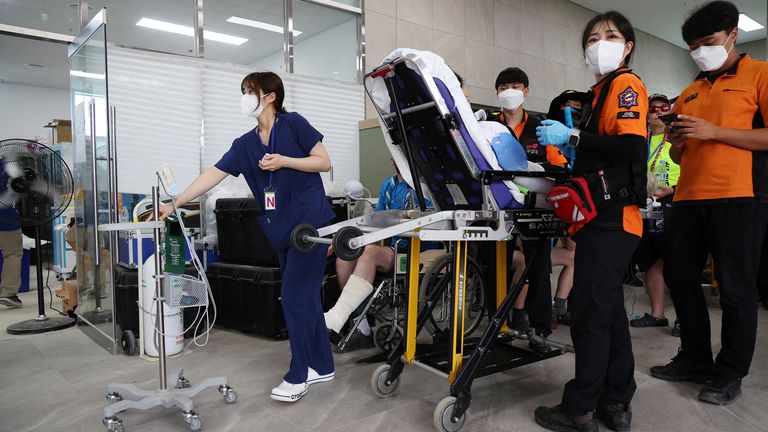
[341,243]
[385,338]
[444,412]
[379,382]
[299,237]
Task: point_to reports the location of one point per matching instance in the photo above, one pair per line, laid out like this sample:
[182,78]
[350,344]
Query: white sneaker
[287,392]
[313,377]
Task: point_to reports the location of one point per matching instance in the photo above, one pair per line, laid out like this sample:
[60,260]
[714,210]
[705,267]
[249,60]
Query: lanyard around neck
[271,142]
[656,153]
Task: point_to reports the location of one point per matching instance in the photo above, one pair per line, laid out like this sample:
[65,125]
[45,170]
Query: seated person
[356,277]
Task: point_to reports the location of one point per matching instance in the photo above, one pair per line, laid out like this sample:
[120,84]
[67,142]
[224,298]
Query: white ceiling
[60,16]
[661,18]
[16,52]
[664,18]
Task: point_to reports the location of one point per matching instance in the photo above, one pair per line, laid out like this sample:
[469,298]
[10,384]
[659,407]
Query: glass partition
[328,44]
[91,169]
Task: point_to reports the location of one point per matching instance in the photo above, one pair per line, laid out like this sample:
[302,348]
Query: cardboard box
[68,295]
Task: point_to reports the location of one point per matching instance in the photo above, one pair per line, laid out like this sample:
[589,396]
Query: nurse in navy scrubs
[281,159]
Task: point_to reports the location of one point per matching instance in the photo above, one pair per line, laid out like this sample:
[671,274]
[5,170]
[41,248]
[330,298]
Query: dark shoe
[682,368]
[356,342]
[765,304]
[676,329]
[518,320]
[556,420]
[538,343]
[616,417]
[11,301]
[564,319]
[333,337]
[649,320]
[721,391]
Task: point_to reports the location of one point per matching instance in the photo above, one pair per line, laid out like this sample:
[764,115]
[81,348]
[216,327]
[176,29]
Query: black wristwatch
[573,141]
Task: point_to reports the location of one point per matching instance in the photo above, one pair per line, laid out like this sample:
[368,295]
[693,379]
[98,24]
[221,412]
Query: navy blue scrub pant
[733,233]
[605,364]
[300,297]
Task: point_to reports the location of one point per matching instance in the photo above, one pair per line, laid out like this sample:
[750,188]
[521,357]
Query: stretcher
[446,155]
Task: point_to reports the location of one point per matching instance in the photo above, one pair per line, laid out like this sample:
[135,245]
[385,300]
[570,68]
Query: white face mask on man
[604,56]
[511,99]
[251,105]
[711,57]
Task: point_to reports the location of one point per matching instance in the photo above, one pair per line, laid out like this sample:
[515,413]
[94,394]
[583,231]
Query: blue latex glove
[552,132]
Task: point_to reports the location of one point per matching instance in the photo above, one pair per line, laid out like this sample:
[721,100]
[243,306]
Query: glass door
[94,195]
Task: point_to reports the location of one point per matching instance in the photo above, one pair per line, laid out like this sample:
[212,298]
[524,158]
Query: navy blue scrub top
[300,196]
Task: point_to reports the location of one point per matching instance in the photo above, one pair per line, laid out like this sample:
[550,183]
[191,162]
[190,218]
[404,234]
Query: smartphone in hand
[668,118]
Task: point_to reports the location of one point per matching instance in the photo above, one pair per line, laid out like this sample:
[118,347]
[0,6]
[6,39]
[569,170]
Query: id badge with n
[270,198]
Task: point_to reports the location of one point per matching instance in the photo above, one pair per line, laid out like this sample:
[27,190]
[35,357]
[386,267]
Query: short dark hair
[711,18]
[511,75]
[267,82]
[458,77]
[622,25]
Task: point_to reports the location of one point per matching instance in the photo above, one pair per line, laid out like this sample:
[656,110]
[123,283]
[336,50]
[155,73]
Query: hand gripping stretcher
[445,154]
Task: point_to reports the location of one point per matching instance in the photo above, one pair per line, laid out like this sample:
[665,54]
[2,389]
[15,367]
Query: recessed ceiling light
[34,66]
[84,74]
[258,25]
[189,31]
[748,24]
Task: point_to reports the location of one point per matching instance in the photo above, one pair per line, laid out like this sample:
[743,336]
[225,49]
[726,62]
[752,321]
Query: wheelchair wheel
[385,339]
[474,304]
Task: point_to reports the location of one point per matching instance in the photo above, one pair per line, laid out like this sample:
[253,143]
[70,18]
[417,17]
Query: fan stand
[42,323]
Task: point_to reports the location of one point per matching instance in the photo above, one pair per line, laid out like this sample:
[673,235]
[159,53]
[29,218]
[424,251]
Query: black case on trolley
[248,298]
[241,240]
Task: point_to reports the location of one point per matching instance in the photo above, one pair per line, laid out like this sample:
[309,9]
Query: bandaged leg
[354,292]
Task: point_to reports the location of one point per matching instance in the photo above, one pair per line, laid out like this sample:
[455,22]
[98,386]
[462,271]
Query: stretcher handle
[487,177]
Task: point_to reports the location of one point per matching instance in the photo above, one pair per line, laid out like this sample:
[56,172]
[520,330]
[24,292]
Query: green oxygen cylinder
[174,246]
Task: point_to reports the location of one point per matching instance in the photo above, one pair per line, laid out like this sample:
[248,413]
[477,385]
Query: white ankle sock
[364,327]
[354,292]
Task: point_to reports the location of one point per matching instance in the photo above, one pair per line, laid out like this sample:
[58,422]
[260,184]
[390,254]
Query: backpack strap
[590,121]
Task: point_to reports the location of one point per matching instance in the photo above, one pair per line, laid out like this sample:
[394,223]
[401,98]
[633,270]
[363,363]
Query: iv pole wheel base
[113,424]
[230,396]
[193,420]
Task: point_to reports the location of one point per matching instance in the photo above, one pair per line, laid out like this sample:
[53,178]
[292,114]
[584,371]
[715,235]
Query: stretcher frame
[458,226]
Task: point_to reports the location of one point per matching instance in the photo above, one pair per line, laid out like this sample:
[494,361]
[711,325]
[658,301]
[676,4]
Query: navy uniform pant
[605,364]
[733,234]
[300,297]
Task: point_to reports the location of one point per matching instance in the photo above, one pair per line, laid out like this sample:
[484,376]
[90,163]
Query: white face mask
[511,99]
[604,57]
[251,105]
[711,57]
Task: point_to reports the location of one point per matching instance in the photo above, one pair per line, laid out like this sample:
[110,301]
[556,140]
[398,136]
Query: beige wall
[478,38]
[756,49]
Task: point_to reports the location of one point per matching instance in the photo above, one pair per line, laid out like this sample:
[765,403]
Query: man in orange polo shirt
[720,142]
[512,89]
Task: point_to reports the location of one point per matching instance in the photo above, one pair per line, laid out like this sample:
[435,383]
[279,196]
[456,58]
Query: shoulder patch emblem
[628,98]
[690,97]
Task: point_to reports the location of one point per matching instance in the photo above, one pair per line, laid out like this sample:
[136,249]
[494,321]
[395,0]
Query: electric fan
[38,184]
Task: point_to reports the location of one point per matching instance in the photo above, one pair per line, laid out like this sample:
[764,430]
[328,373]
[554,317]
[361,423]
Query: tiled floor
[56,382]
